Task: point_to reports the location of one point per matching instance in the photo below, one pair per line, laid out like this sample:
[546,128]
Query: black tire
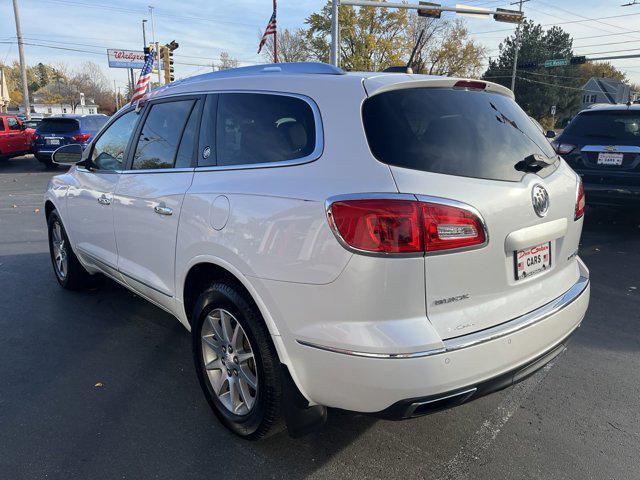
[265,417]
[76,277]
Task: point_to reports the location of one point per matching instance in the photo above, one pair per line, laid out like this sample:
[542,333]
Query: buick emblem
[610,148]
[540,200]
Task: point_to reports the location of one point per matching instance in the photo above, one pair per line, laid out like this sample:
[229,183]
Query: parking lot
[100,384]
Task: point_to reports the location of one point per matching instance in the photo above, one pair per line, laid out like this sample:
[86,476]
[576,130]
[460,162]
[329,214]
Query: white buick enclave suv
[384,243]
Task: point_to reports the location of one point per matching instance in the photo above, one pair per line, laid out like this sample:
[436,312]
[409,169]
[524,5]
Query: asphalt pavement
[100,384]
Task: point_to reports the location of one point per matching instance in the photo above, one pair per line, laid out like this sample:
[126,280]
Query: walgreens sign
[125,58]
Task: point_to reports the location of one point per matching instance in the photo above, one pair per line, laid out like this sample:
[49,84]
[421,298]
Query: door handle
[103,200]
[162,210]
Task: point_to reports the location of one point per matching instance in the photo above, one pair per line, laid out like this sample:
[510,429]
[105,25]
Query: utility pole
[517,46]
[144,34]
[115,90]
[23,65]
[157,46]
[335,33]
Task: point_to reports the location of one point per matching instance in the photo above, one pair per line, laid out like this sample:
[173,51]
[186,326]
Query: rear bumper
[405,385]
[613,195]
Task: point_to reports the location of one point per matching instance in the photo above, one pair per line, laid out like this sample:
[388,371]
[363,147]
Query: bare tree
[227,62]
[292,47]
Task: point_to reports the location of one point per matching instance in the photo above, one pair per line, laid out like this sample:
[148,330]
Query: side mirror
[68,155]
[550,134]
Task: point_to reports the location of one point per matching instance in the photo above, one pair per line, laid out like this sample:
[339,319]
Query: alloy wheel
[59,245]
[229,362]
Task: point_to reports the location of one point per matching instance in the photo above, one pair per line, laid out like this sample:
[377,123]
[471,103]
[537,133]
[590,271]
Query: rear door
[150,193]
[55,132]
[6,138]
[476,147]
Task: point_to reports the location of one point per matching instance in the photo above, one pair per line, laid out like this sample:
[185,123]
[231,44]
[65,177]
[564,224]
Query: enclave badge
[540,200]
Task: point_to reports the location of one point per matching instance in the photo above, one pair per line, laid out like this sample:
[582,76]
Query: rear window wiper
[534,163]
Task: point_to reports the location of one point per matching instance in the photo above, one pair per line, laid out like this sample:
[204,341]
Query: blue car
[53,132]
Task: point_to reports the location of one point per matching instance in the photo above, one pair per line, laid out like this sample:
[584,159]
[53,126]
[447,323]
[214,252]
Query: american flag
[143,81]
[271,30]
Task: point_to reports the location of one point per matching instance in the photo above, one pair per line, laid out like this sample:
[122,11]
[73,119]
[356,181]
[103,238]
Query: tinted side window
[187,143]
[206,150]
[13,124]
[258,128]
[1,125]
[158,141]
[108,151]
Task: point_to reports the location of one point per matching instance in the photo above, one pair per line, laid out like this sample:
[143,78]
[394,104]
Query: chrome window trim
[403,196]
[482,336]
[312,157]
[157,170]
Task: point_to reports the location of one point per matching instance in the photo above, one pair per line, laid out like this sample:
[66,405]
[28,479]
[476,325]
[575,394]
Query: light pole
[157,49]
[499,15]
[23,65]
[144,34]
[516,46]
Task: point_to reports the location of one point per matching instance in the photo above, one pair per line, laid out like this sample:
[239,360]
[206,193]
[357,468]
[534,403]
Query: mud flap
[301,419]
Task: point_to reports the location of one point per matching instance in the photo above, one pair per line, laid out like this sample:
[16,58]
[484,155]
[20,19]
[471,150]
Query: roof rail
[291,68]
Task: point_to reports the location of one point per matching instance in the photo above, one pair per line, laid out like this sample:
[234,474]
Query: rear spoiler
[385,83]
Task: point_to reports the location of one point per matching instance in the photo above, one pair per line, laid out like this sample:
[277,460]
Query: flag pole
[275,37]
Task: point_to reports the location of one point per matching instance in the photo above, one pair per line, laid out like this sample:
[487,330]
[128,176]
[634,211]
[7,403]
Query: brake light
[581,201]
[563,148]
[81,137]
[470,85]
[35,137]
[395,226]
[379,225]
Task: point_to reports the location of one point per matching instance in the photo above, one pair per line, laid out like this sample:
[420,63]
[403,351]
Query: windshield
[623,125]
[455,132]
[58,125]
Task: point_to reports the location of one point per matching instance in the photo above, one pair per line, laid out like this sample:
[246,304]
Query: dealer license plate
[532,260]
[614,159]
[53,141]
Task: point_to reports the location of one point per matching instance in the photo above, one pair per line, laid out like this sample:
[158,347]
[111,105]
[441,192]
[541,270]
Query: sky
[82,30]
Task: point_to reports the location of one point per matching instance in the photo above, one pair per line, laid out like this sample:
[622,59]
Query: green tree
[538,89]
[371,39]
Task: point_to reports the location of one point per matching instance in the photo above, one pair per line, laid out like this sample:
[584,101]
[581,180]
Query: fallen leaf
[14,206]
[99,385]
[37,210]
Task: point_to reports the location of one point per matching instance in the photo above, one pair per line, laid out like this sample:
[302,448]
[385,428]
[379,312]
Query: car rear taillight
[81,137]
[35,137]
[447,227]
[563,148]
[581,201]
[402,226]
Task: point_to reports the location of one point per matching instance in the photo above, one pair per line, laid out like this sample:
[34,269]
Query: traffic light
[167,55]
[578,60]
[429,12]
[508,16]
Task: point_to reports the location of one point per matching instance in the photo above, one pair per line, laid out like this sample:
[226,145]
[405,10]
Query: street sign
[125,58]
[553,110]
[558,62]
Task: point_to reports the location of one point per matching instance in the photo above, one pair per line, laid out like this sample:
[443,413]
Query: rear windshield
[624,125]
[58,125]
[455,132]
[93,124]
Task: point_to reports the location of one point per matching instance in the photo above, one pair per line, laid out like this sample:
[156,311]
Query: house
[606,90]
[41,103]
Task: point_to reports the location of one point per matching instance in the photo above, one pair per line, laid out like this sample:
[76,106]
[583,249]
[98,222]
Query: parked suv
[602,144]
[15,137]
[53,132]
[383,243]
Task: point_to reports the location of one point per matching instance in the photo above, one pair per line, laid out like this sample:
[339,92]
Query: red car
[15,137]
